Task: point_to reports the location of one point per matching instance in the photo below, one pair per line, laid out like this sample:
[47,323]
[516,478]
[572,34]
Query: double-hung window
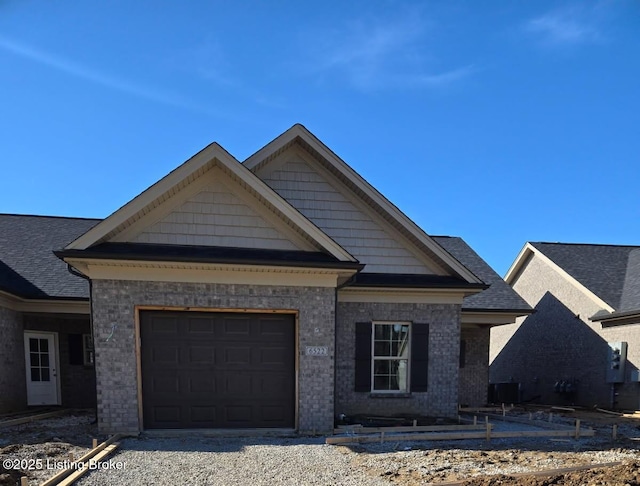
[390,357]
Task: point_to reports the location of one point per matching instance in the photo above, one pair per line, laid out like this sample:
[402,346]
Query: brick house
[277,292]
[582,344]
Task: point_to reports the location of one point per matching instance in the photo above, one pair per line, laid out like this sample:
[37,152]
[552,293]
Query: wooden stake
[488,432]
[475,420]
[530,416]
[94,443]
[486,419]
[550,416]
[504,412]
[381,437]
[70,456]
[577,428]
[24,481]
[614,432]
[415,423]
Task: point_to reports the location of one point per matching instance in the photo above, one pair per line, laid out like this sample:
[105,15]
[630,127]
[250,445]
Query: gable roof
[211,156]
[28,267]
[609,274]
[600,268]
[358,185]
[499,296]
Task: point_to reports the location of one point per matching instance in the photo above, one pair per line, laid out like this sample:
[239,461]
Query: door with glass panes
[41,368]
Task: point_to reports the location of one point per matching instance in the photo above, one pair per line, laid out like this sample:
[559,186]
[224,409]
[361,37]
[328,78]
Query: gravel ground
[308,461]
[232,462]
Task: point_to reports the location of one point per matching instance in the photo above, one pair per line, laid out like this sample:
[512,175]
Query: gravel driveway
[243,462]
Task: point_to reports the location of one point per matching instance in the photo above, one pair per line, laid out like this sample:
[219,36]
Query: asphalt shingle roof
[499,296]
[612,272]
[28,267]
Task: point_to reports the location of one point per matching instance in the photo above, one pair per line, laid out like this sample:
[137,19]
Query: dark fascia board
[412,281]
[499,311]
[617,318]
[196,254]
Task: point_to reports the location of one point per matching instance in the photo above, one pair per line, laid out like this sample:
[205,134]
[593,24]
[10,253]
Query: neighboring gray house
[278,292]
[582,344]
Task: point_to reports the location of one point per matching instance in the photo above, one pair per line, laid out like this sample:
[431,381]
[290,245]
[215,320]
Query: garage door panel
[236,327]
[217,370]
[202,384]
[165,325]
[203,415]
[165,384]
[165,354]
[167,414]
[238,385]
[201,326]
[237,356]
[200,354]
[278,356]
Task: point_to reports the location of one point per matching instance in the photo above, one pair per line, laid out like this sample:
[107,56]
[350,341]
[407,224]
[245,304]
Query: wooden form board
[97,453]
[408,428]
[32,418]
[487,434]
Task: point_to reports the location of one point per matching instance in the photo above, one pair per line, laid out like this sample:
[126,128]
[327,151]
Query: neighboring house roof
[499,296]
[609,273]
[603,269]
[28,267]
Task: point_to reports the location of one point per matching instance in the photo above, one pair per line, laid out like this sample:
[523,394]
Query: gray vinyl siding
[215,217]
[352,228]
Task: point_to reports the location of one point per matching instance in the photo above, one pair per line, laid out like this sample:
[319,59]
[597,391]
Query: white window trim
[373,357]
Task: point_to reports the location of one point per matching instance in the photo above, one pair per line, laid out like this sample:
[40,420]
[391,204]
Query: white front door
[42,368]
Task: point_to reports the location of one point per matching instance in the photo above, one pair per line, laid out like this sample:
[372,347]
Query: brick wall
[558,342]
[441,399]
[77,381]
[474,375]
[13,387]
[116,368]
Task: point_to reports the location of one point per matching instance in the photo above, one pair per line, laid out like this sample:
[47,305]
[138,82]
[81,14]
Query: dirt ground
[627,474]
[52,440]
[507,461]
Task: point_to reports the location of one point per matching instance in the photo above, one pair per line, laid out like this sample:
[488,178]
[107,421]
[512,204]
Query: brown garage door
[217,370]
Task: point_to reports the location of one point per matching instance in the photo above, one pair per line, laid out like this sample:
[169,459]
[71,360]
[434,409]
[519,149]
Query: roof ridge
[613,245]
[50,216]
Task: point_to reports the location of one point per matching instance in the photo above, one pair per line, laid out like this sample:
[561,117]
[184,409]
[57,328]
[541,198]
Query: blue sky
[501,122]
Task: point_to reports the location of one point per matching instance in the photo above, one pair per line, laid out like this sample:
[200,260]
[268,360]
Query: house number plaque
[317,351]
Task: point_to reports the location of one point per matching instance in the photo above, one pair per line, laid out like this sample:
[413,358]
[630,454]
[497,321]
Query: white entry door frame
[42,365]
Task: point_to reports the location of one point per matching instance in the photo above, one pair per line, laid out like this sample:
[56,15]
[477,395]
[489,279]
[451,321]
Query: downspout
[73,271]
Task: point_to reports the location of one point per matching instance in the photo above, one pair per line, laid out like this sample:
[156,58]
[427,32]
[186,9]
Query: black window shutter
[463,353]
[419,357]
[363,356]
[75,349]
